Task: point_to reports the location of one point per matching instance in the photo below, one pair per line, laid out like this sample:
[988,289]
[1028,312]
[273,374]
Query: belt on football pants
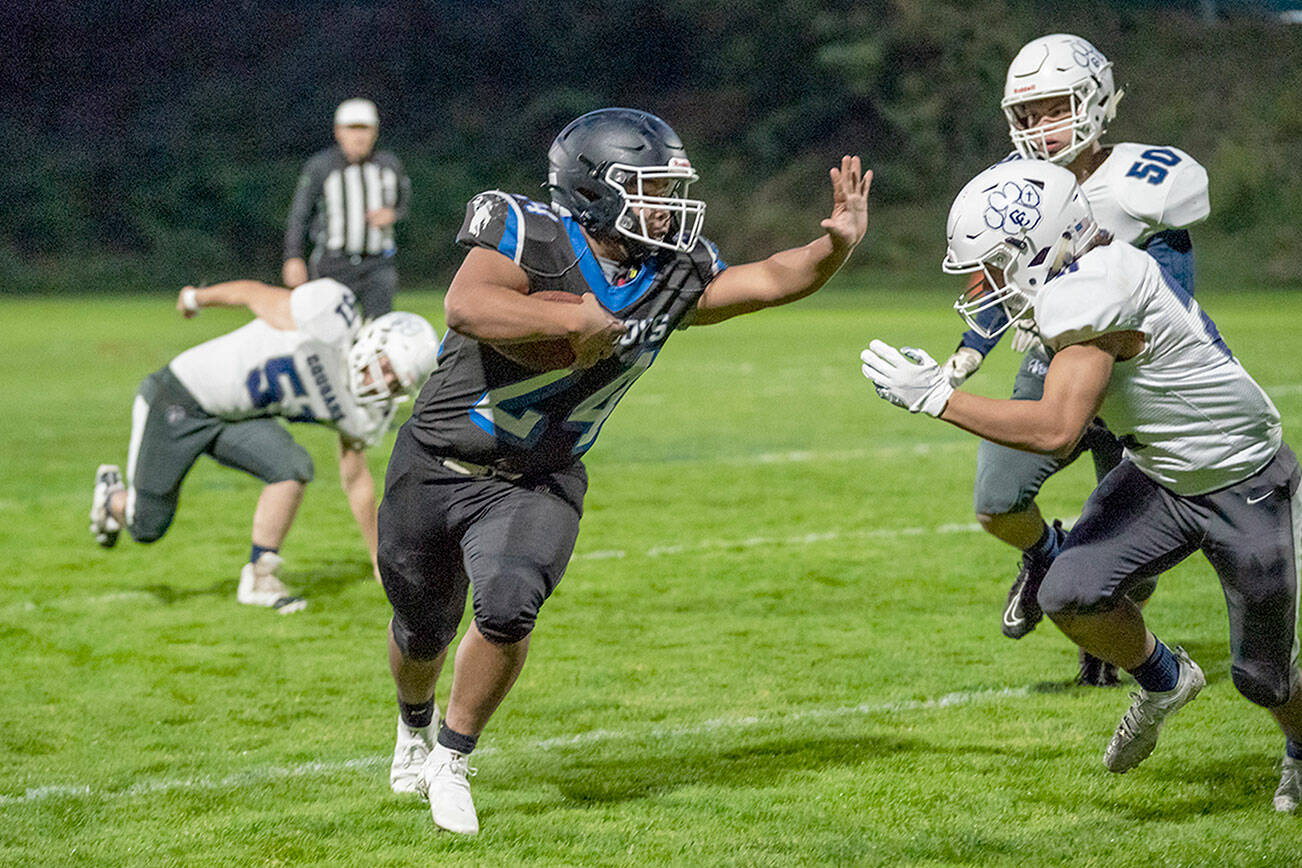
[479,471]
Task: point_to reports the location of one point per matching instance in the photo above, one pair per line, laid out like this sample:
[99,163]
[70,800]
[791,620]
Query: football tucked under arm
[547,354]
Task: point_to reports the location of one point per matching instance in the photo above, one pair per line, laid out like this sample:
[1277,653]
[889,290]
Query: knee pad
[508,629]
[1060,594]
[148,533]
[299,468]
[1262,685]
[508,609]
[420,644]
[149,516]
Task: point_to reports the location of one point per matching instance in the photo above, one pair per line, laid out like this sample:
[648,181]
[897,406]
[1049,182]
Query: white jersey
[1189,415]
[302,375]
[1141,189]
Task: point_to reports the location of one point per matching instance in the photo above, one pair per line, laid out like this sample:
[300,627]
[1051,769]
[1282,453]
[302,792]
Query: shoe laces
[412,749]
[1143,712]
[268,583]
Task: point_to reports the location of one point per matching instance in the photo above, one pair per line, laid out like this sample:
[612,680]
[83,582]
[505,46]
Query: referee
[348,198]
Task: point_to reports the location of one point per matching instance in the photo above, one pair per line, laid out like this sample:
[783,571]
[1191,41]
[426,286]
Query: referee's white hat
[357,113]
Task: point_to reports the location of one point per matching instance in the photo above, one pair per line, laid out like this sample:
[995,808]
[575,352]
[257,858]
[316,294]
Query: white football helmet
[404,342]
[1020,223]
[1060,65]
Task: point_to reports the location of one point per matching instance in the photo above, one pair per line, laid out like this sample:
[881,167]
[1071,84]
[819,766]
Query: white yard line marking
[75,602]
[269,774]
[795,540]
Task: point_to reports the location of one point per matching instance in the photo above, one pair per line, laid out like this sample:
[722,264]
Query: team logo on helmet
[1087,55]
[1014,208]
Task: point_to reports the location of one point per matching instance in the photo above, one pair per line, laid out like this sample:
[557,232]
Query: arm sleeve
[1173,250]
[990,319]
[402,205]
[300,210]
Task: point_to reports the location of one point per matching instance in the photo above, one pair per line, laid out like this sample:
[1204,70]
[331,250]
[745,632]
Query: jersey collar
[613,297]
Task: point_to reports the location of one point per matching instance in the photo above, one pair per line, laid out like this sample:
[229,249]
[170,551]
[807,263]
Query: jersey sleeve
[524,231]
[1166,188]
[326,310]
[1083,303]
[1187,199]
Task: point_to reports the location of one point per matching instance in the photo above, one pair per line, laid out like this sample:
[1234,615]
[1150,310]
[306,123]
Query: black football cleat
[1095,672]
[1022,611]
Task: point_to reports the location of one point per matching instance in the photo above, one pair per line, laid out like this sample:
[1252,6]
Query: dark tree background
[147,144]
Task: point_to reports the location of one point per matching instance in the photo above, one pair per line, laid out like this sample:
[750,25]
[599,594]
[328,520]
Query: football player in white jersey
[1205,464]
[307,357]
[1059,96]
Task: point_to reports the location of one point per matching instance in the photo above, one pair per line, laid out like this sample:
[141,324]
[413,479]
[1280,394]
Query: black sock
[256,552]
[1047,546]
[417,716]
[457,741]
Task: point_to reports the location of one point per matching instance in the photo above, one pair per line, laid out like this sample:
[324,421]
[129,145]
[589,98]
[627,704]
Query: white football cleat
[445,783]
[409,754]
[103,526]
[260,586]
[1289,793]
[1136,735]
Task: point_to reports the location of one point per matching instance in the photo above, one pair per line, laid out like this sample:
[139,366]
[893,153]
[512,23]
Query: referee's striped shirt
[331,201]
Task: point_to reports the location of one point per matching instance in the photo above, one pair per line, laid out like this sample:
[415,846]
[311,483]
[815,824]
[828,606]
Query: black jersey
[481,406]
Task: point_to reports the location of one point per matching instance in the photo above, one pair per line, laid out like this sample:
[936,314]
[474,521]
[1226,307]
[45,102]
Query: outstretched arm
[359,487]
[792,274]
[268,303]
[1073,392]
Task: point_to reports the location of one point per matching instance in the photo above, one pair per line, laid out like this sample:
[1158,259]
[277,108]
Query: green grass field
[777,643]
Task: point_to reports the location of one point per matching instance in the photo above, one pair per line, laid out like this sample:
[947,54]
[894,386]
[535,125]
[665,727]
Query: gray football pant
[169,431]
[1132,529]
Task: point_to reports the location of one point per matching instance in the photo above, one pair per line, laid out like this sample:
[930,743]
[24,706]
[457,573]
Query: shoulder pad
[326,310]
[1162,186]
[508,224]
[1094,296]
[706,257]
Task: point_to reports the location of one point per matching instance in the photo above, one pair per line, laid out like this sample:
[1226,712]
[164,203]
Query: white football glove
[906,377]
[1026,336]
[961,365]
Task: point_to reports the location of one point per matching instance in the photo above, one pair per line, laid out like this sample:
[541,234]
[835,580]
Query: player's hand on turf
[906,377]
[849,220]
[597,335]
[961,365]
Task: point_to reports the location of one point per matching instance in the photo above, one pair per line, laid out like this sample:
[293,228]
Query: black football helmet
[600,166]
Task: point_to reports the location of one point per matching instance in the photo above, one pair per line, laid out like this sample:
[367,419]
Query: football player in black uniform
[485,484]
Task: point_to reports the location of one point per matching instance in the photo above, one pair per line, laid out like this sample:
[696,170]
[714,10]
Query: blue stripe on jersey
[719,265]
[510,235]
[1173,250]
[613,298]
